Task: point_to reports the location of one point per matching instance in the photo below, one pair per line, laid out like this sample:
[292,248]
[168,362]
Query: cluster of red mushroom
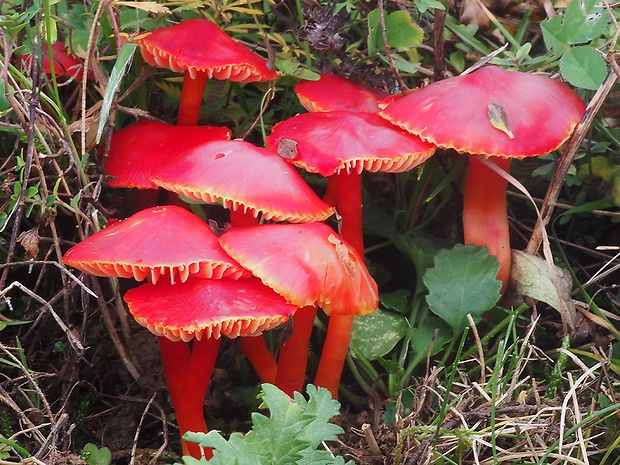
[252,278]
[255,277]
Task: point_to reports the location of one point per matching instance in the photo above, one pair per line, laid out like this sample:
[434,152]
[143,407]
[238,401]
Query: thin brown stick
[569,152]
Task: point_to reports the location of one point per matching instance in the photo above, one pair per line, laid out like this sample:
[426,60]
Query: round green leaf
[583,67]
[463,281]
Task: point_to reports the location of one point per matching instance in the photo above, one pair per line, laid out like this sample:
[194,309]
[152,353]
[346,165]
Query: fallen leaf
[532,277]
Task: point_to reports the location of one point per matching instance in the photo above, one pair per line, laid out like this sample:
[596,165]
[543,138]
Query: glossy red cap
[245,177]
[200,46]
[137,151]
[332,92]
[204,308]
[491,112]
[308,264]
[160,241]
[329,142]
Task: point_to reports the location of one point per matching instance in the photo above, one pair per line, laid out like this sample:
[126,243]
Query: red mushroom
[66,66]
[203,310]
[332,92]
[249,181]
[162,241]
[310,266]
[246,179]
[140,248]
[343,144]
[201,50]
[138,150]
[509,114]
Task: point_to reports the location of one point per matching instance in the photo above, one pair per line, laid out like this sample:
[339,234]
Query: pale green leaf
[123,62]
[532,277]
[374,335]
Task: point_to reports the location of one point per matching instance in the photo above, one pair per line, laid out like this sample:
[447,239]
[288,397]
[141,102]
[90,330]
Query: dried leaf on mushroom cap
[537,113]
[329,142]
[244,177]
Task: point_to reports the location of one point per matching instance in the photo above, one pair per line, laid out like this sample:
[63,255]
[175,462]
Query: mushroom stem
[293,358]
[175,358]
[260,357]
[334,353]
[349,206]
[485,217]
[190,407]
[255,348]
[191,99]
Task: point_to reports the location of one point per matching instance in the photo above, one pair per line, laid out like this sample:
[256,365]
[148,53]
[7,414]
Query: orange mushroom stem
[485,216]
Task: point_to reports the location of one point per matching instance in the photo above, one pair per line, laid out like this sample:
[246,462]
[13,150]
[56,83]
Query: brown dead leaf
[30,241]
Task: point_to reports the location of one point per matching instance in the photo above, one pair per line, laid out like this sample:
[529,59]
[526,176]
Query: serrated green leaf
[290,434]
[583,67]
[122,64]
[374,335]
[463,281]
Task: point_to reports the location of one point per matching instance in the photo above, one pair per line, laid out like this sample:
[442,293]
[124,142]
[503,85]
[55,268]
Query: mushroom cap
[329,142]
[208,308]
[159,241]
[65,64]
[308,264]
[137,151]
[332,92]
[539,113]
[200,46]
[244,177]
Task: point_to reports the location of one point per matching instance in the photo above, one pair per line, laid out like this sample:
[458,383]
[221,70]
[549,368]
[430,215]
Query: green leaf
[402,33]
[584,23]
[374,335]
[397,300]
[94,455]
[583,67]
[123,62]
[463,281]
[431,335]
[291,433]
[555,35]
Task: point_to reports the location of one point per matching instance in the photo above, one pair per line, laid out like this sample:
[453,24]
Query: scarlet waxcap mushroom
[332,92]
[503,115]
[137,151]
[308,264]
[330,142]
[203,308]
[202,51]
[244,177]
[200,46]
[65,64]
[160,241]
[538,113]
